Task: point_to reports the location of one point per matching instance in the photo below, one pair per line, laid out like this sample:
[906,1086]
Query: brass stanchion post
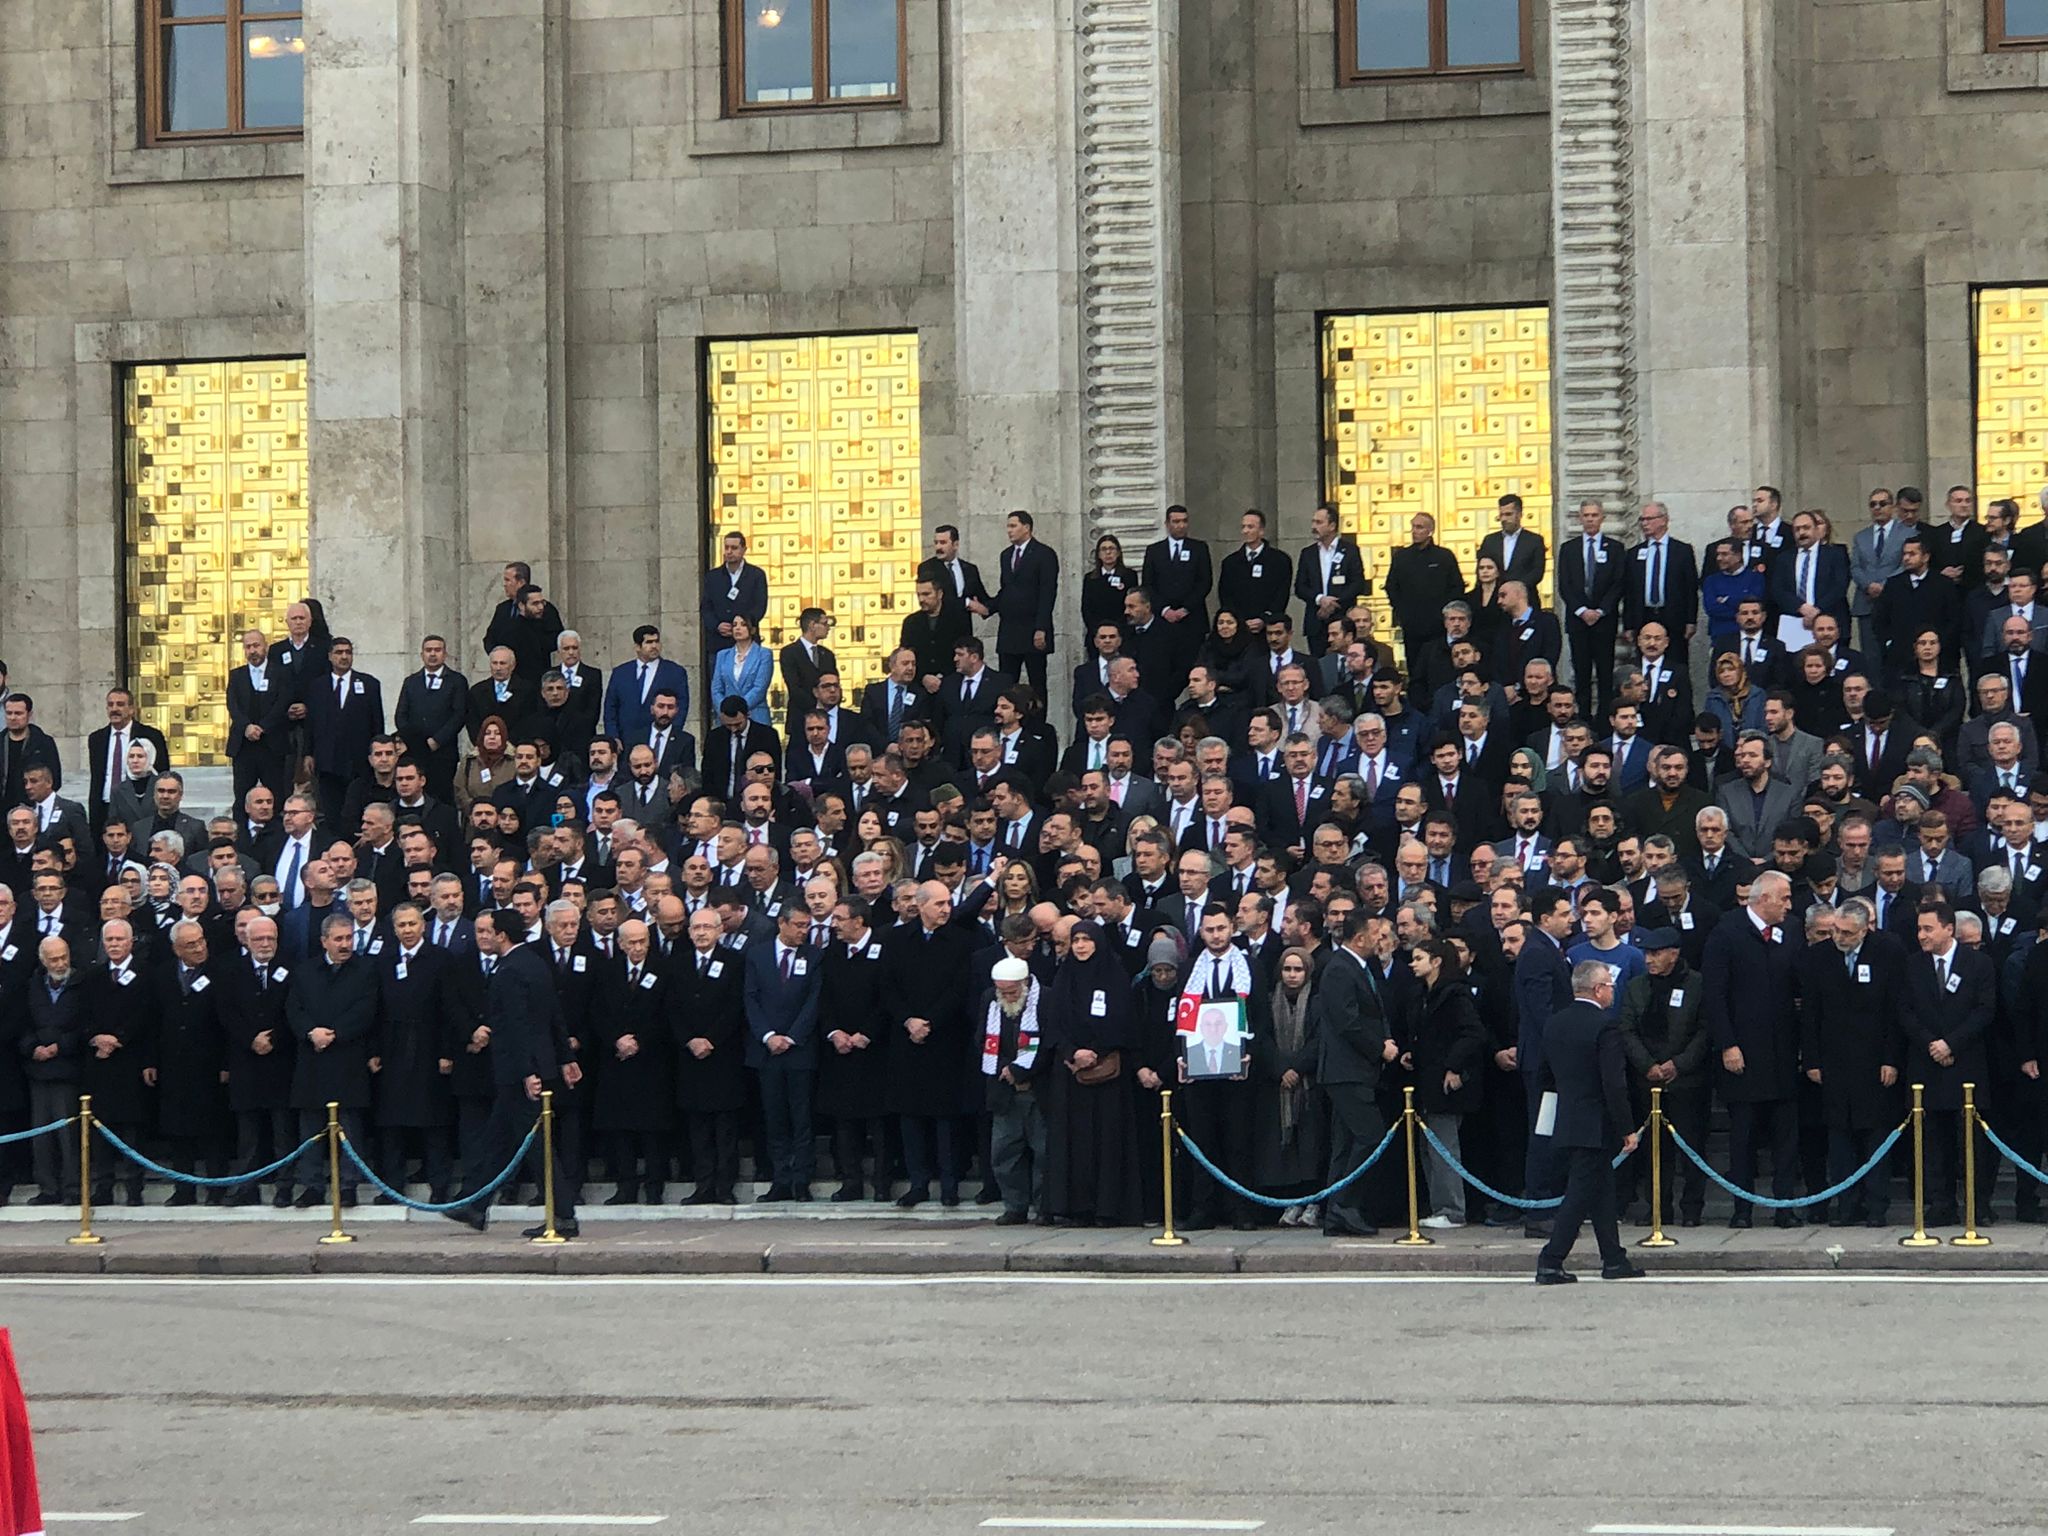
[1919,1239]
[547,1170]
[1971,1237]
[1414,1239]
[1166,1238]
[86,1236]
[1657,1239]
[336,1235]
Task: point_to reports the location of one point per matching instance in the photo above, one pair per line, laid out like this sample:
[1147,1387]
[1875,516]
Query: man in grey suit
[1353,1039]
[1755,801]
[1874,560]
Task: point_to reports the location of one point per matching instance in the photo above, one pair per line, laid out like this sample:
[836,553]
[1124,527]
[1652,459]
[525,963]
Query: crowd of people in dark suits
[961,945]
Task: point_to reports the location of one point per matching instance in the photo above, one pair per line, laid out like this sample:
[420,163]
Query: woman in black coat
[1447,1054]
[1089,1024]
[1929,691]
[1103,590]
[1155,1004]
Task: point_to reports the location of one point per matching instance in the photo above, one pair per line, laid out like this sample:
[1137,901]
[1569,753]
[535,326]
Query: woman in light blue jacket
[744,668]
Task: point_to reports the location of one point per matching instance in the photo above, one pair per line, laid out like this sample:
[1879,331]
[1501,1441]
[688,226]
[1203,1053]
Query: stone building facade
[1752,233]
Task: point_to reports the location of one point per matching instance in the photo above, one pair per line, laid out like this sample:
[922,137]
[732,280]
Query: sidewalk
[945,1243]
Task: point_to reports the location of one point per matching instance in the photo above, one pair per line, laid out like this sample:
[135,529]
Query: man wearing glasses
[1874,560]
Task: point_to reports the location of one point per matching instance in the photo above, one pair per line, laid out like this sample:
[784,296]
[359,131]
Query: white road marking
[106,1517]
[1054,1524]
[900,1282]
[548,1520]
[1739,1530]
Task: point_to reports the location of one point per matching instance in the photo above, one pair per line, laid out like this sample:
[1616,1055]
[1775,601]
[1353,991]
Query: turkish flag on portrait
[21,1508]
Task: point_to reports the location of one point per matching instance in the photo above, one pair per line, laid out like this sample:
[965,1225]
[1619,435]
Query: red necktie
[1301,800]
[1522,851]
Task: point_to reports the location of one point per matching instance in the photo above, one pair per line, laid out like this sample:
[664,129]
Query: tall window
[812,452]
[214,514]
[1437,411]
[813,53]
[2016,23]
[223,69]
[1381,38]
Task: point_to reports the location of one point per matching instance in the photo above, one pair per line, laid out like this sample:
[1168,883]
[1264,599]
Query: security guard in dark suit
[1585,1067]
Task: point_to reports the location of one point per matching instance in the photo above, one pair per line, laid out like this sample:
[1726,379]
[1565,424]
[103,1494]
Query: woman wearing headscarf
[134,798]
[486,770]
[1091,1032]
[1289,1151]
[1155,996]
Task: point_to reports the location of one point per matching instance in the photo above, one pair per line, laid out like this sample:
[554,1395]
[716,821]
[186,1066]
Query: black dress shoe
[1555,1277]
[41,1199]
[1987,1217]
[567,1228]
[1622,1271]
[1787,1220]
[774,1194]
[440,1194]
[1944,1217]
[1012,1219]
[383,1200]
[1876,1221]
[846,1194]
[801,1194]
[1740,1222]
[348,1199]
[911,1199]
[1689,1219]
[282,1200]
[216,1197]
[624,1196]
[133,1198]
[1536,1229]
[703,1194]
[471,1217]
[1366,1230]
[308,1198]
[184,1194]
[988,1194]
[949,1201]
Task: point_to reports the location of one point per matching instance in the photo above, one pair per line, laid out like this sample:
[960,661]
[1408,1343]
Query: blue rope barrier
[1883,1151]
[2009,1155]
[41,1130]
[1487,1189]
[176,1177]
[442,1209]
[1202,1159]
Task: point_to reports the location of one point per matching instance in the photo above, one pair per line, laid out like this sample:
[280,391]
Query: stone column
[1013,118]
[380,243]
[1712,233]
[511,81]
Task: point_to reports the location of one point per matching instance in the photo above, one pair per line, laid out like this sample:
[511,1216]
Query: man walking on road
[1584,1067]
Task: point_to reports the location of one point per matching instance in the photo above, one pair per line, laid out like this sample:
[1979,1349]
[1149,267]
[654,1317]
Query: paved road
[903,1408]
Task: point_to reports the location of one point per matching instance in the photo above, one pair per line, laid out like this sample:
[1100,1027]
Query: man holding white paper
[1585,1096]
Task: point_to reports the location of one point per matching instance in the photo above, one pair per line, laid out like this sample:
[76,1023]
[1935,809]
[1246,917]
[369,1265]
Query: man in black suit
[781,1001]
[259,735]
[1752,1018]
[1162,672]
[521,1027]
[896,696]
[726,752]
[967,699]
[432,705]
[1663,582]
[1950,1005]
[733,589]
[804,660]
[1518,554]
[2025,668]
[107,752]
[1354,1039]
[509,620]
[1584,1066]
[1529,633]
[1812,578]
[932,629]
[1329,576]
[344,710]
[508,697]
[1256,578]
[1024,603]
[1919,598]
[24,742]
[958,581]
[1590,586]
[1178,575]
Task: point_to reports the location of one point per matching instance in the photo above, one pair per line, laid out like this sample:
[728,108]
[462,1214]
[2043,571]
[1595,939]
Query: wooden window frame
[736,103]
[1995,37]
[153,56]
[1348,72]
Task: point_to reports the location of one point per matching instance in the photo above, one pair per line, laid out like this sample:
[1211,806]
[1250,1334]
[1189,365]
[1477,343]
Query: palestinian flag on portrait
[21,1509]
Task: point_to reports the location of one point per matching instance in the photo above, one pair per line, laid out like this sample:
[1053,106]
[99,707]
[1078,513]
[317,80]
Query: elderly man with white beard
[1008,1017]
